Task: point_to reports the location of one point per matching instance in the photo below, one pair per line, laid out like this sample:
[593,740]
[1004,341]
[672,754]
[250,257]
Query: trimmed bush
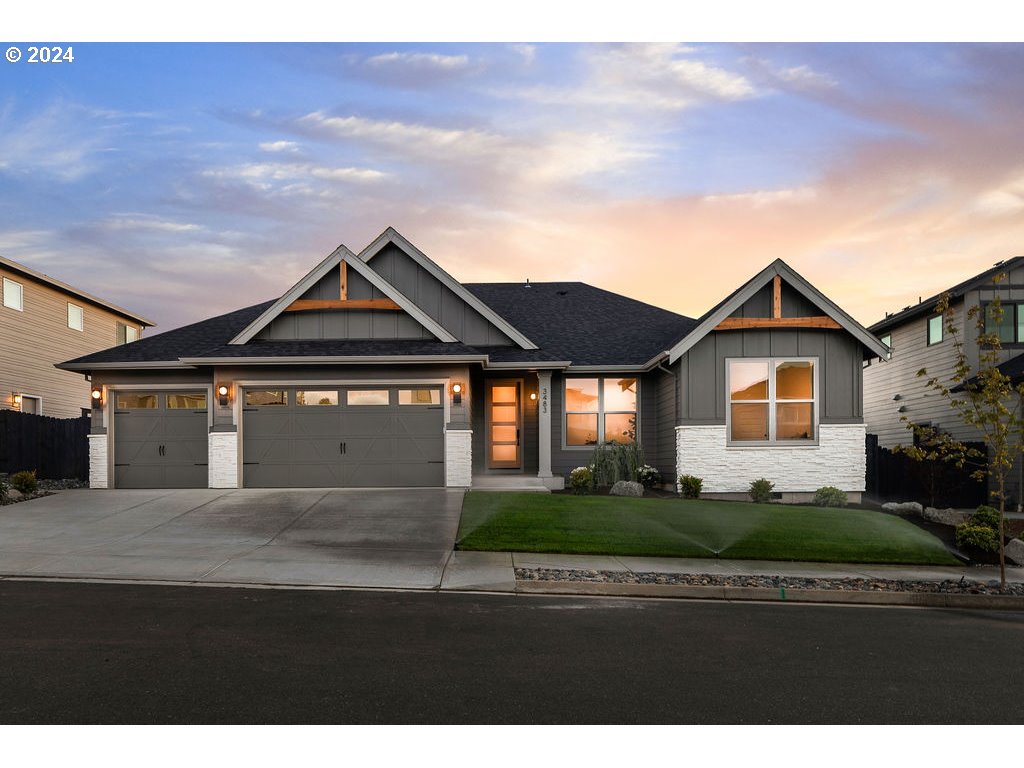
[25,482]
[977,536]
[689,486]
[4,488]
[761,491]
[986,516]
[581,480]
[830,496]
[648,476]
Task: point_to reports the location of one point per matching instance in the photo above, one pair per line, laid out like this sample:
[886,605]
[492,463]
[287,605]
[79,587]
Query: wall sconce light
[97,397]
[533,395]
[222,394]
[15,398]
[457,393]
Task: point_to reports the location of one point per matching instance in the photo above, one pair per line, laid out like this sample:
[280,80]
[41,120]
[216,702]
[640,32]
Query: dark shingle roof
[584,324]
[927,306]
[568,321]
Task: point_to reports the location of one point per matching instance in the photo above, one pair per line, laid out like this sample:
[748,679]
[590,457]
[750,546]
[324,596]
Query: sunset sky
[182,181]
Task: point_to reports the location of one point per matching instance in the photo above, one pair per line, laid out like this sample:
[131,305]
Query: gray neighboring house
[381,370]
[917,339]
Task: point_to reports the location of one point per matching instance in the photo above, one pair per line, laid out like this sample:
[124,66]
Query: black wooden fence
[56,449]
[897,477]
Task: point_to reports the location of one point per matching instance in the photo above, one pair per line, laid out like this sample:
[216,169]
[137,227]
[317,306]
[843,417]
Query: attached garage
[344,437]
[160,439]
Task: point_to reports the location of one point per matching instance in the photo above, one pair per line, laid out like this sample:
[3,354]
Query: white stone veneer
[98,458]
[458,458]
[837,460]
[223,460]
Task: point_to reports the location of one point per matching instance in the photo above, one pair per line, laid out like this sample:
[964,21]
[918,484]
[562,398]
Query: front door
[504,424]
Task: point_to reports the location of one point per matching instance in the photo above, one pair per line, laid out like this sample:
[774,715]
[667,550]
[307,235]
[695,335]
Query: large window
[1010,326]
[600,410]
[771,400]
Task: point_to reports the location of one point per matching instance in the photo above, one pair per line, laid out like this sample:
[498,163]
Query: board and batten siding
[426,291]
[702,395]
[32,341]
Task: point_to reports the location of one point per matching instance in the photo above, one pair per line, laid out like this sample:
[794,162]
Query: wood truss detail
[741,323]
[303,305]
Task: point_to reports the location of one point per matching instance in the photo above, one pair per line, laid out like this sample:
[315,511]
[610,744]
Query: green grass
[604,525]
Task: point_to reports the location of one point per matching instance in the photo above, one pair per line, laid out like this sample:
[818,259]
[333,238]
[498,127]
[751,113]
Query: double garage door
[344,437]
[292,437]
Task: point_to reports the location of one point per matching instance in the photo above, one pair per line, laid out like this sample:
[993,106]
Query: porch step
[508,483]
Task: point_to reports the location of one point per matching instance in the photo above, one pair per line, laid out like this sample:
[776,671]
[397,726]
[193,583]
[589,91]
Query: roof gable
[341,255]
[391,236]
[739,298]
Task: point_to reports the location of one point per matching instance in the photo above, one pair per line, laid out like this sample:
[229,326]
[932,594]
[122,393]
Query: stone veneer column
[98,458]
[544,424]
[458,458]
[223,459]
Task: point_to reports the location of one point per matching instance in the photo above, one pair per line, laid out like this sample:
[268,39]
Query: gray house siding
[702,370]
[665,385]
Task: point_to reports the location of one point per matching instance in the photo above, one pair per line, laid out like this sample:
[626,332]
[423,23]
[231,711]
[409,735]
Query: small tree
[985,399]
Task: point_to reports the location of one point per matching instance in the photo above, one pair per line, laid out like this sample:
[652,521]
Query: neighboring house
[42,322]
[380,369]
[917,339]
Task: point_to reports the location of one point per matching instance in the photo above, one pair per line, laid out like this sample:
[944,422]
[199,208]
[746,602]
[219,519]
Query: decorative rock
[627,488]
[1014,551]
[948,516]
[905,506]
[13,494]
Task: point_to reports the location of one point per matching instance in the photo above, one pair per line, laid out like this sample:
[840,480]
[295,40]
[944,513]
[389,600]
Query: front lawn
[606,525]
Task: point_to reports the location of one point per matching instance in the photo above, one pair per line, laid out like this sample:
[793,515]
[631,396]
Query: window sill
[788,445]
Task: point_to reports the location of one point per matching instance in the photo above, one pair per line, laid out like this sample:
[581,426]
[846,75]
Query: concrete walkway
[495,571]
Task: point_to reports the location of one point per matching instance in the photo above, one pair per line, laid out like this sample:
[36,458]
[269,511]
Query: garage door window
[130,401]
[266,397]
[193,401]
[419,397]
[367,397]
[316,397]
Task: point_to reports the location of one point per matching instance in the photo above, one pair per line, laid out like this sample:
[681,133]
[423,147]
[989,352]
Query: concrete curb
[764,594]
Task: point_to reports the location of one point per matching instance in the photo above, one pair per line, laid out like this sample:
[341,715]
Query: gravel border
[962,586]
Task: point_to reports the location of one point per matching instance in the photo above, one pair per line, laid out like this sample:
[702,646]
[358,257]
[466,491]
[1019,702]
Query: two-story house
[43,322]
[918,338]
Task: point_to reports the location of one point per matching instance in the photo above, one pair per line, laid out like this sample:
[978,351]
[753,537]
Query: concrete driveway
[371,538]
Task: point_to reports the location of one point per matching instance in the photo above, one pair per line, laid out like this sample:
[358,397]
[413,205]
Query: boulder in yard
[627,488]
[13,494]
[948,516]
[1015,551]
[903,506]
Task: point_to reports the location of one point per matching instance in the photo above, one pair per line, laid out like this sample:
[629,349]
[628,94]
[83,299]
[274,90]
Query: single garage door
[341,437]
[160,439]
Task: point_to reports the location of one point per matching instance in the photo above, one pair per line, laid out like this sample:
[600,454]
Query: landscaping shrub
[761,491]
[581,480]
[830,496]
[978,536]
[25,482]
[986,516]
[3,491]
[689,486]
[613,461]
[648,476]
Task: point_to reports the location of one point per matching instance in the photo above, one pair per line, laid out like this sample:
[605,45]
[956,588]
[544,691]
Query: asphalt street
[112,653]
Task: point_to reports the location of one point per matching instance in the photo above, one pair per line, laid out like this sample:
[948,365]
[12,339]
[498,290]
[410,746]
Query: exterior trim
[740,297]
[123,365]
[391,235]
[383,360]
[340,255]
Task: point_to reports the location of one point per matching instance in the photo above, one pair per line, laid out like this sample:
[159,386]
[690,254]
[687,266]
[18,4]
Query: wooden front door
[504,424]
